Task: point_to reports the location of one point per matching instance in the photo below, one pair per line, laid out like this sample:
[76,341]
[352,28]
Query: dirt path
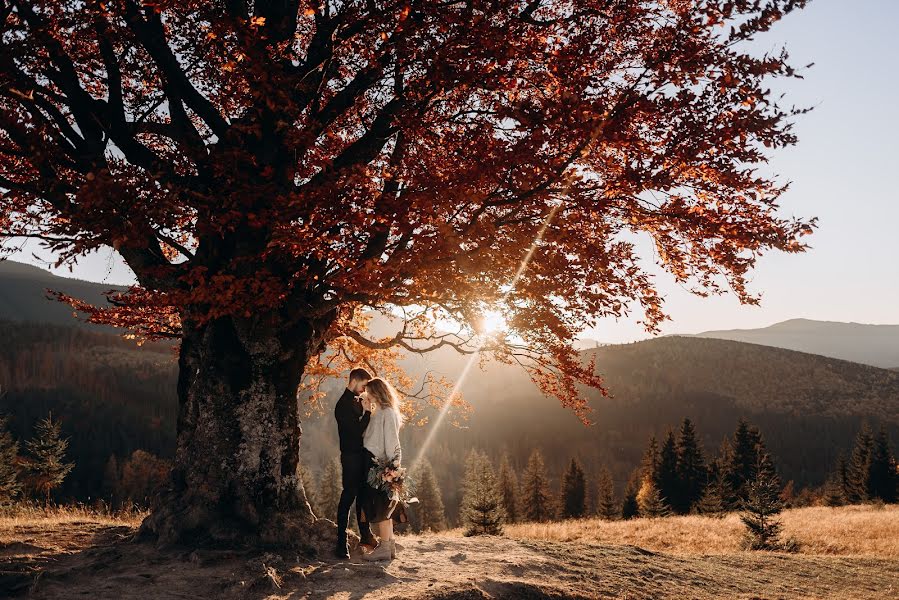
[90,560]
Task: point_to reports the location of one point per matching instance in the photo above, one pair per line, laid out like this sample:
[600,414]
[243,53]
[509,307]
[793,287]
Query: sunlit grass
[866,530]
[36,515]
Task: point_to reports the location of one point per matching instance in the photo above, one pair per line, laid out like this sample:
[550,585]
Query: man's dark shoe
[342,551]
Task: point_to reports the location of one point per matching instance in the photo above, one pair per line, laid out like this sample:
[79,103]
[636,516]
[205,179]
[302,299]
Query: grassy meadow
[870,530]
[35,517]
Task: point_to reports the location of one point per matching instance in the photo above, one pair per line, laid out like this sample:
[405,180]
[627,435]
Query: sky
[842,171]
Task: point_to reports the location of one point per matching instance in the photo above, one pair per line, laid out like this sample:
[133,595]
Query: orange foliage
[292,162]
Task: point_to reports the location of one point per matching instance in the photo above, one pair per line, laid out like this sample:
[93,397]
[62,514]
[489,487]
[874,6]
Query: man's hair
[359,374]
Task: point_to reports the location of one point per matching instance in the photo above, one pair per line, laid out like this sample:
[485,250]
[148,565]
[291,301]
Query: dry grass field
[866,530]
[847,553]
[35,515]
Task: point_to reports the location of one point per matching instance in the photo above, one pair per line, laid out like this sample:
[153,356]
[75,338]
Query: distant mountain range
[876,345]
[23,298]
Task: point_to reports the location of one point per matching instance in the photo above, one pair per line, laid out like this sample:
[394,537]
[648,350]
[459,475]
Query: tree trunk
[235,476]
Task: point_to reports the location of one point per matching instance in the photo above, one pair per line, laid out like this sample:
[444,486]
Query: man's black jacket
[352,420]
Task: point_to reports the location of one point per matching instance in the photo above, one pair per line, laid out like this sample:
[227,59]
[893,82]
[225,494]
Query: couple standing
[368,424]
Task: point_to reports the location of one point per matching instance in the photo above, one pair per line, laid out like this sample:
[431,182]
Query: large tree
[270,170]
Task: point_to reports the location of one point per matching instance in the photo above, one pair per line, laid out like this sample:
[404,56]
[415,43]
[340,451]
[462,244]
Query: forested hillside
[757,378]
[111,396]
[114,397]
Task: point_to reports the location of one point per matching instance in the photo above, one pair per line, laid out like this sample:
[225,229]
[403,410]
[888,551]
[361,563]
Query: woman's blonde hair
[384,394]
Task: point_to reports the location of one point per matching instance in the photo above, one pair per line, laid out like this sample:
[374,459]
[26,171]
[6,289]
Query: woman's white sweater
[382,436]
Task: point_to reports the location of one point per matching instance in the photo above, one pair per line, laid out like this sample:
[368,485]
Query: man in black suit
[352,420]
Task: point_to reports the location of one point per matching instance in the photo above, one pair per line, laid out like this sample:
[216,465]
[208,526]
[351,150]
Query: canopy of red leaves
[311,159]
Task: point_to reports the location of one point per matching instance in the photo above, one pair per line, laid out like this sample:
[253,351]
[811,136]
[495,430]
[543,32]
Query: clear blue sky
[842,172]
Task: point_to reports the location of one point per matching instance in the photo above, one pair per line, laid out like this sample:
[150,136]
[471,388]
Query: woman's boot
[384,551]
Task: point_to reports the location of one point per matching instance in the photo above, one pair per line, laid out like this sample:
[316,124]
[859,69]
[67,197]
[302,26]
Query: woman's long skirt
[376,504]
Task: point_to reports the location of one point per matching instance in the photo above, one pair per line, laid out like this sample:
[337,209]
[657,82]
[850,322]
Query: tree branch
[399,340]
[151,34]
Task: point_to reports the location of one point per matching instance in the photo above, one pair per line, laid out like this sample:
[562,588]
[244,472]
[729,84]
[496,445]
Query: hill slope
[758,378]
[876,345]
[23,295]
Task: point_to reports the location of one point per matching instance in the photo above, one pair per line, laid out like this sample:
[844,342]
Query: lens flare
[493,321]
[497,320]
[522,267]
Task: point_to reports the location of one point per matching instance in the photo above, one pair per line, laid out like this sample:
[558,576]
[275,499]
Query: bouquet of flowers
[390,477]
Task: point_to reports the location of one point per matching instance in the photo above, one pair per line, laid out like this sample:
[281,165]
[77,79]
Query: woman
[382,441]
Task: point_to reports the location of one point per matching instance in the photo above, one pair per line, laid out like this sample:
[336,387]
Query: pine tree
[882,476]
[667,480]
[47,452]
[720,468]
[329,490]
[841,478]
[860,466]
[649,464]
[574,491]
[10,486]
[691,468]
[507,484]
[833,492]
[745,450]
[481,506]
[761,507]
[308,481]
[535,496]
[712,503]
[429,513]
[629,506]
[606,507]
[835,489]
[650,501]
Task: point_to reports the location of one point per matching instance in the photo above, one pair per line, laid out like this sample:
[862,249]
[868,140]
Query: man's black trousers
[354,467]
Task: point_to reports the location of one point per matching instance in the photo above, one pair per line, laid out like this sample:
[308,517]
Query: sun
[492,321]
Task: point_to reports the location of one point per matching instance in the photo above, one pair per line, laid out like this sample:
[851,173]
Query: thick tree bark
[235,477]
